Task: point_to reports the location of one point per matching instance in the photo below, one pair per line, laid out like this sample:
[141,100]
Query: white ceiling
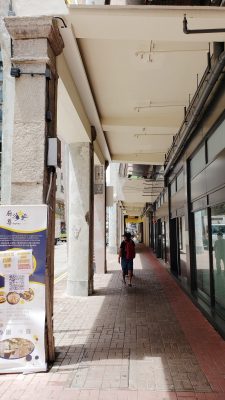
[142,70]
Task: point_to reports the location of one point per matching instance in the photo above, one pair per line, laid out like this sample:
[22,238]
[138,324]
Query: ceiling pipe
[191,124]
[191,31]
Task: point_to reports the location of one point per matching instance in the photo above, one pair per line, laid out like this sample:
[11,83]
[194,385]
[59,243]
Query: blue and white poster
[23,234]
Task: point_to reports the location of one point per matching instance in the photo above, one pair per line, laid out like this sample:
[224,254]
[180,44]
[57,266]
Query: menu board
[23,232]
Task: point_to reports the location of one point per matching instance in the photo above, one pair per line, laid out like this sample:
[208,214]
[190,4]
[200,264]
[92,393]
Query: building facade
[189,229]
[103,75]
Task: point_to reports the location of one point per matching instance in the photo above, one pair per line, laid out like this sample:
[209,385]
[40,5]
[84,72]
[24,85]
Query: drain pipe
[192,123]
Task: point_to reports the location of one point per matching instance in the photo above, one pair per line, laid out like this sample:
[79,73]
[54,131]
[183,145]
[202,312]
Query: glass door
[182,250]
[218,254]
[202,253]
[174,246]
[164,241]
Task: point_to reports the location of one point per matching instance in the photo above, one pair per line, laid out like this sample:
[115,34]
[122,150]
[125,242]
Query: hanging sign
[133,220]
[23,231]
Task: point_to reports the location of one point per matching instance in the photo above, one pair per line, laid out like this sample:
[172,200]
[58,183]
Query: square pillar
[80,221]
[100,231]
[35,44]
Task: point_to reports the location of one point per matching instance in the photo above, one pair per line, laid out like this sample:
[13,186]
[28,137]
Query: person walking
[126,256]
[219,247]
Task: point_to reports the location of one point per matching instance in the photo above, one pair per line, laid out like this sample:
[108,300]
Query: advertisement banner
[23,234]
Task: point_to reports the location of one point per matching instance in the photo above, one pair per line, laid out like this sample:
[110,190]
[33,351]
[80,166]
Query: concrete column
[118,225]
[122,223]
[8,107]
[146,230]
[99,232]
[35,44]
[113,229]
[113,220]
[80,221]
[120,230]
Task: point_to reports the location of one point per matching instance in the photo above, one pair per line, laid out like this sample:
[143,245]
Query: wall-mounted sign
[23,232]
[99,179]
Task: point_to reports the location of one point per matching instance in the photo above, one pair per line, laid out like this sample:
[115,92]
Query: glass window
[197,163]
[166,196]
[202,251]
[173,187]
[1,72]
[218,243]
[180,233]
[183,249]
[1,93]
[180,180]
[216,142]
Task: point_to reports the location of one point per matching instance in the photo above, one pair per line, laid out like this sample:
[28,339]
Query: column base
[77,288]
[112,249]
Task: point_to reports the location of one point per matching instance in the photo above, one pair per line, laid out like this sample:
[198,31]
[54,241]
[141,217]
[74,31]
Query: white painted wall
[4,7]
[70,126]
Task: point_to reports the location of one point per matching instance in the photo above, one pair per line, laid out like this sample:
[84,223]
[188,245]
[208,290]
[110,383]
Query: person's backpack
[130,249]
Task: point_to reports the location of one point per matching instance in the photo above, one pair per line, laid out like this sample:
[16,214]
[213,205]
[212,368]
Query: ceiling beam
[96,22]
[141,158]
[135,124]
[78,73]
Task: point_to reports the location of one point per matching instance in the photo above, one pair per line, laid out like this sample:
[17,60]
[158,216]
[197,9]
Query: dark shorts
[127,265]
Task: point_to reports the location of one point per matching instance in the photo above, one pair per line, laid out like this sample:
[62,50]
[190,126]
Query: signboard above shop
[133,220]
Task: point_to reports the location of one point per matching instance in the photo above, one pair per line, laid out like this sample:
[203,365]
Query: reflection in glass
[173,187]
[216,142]
[167,242]
[197,162]
[183,250]
[201,251]
[218,243]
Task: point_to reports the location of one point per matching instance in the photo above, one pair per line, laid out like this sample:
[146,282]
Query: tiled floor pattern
[126,338]
[141,343]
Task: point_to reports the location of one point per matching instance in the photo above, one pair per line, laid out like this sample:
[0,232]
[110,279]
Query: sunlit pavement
[60,260]
[147,342]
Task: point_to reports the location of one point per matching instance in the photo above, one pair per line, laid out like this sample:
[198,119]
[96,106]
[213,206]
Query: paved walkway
[147,342]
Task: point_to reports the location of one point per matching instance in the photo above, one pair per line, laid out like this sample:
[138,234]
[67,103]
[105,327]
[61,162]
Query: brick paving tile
[147,342]
[108,395]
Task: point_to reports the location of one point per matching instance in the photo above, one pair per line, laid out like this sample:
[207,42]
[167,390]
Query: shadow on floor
[124,337]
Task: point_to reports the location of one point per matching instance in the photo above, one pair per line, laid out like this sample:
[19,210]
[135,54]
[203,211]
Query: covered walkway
[148,342]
